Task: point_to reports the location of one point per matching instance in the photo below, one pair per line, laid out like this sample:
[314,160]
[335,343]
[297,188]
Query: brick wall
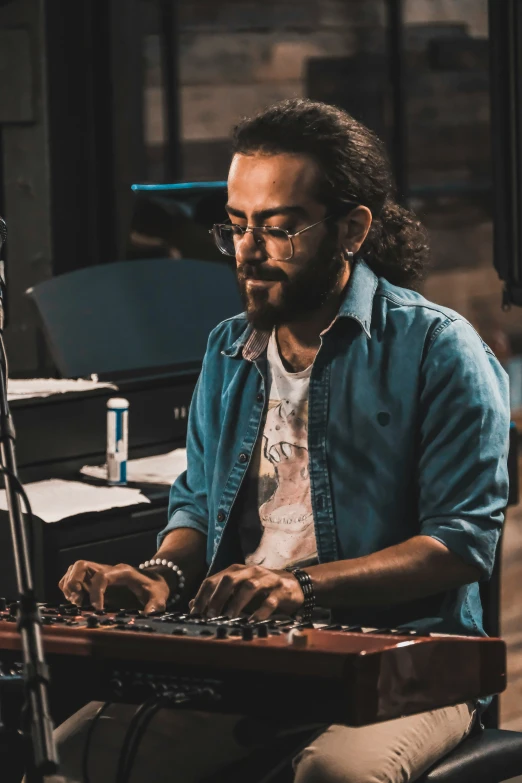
[237,56]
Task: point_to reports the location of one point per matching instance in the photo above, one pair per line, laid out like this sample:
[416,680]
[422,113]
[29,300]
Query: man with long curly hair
[347,444]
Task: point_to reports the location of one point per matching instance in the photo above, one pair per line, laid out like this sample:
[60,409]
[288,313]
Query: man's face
[279,190]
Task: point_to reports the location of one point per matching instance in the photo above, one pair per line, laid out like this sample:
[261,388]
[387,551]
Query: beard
[306,292]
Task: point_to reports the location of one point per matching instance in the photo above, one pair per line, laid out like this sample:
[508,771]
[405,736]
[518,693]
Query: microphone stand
[36,675]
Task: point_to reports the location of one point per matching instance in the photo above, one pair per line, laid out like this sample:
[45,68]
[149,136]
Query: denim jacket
[408,422]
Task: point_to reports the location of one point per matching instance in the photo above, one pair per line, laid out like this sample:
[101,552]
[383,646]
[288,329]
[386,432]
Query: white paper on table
[160,469]
[56,499]
[44,387]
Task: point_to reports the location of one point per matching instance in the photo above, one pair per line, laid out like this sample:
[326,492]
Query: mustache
[258,273]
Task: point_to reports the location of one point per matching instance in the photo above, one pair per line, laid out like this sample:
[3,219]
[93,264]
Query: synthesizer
[334,673]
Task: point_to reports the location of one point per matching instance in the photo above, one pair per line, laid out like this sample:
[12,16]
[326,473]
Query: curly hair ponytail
[397,246]
[355,170]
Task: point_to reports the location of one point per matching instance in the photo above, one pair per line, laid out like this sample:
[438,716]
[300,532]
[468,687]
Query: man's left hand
[240,586]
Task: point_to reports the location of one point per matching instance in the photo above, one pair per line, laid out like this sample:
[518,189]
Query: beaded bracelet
[306,584]
[167,564]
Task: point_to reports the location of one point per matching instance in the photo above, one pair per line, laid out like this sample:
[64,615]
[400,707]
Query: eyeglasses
[276,242]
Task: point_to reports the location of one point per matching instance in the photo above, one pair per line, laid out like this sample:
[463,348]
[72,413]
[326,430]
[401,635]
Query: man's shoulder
[404,298]
[410,309]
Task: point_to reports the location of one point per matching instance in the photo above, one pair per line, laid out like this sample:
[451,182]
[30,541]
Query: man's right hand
[85,578]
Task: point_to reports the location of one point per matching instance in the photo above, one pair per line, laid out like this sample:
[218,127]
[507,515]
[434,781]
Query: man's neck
[299,341]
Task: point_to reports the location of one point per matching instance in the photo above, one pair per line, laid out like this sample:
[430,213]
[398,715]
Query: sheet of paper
[44,387]
[56,499]
[161,469]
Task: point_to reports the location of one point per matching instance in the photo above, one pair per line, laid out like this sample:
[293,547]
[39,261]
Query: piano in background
[141,324]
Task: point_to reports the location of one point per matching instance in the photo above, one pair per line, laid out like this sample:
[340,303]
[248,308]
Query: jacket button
[221,516]
[260,397]
[243,457]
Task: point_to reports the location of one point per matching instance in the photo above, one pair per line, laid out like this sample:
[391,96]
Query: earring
[349,254]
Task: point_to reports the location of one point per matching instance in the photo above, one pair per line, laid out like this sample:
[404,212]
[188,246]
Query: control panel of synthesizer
[178,623]
[193,625]
[336,673]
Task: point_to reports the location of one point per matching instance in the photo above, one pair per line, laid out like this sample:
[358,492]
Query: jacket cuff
[183,518]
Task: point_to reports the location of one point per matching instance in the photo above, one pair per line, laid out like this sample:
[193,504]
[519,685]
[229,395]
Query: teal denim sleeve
[464,440]
[188,495]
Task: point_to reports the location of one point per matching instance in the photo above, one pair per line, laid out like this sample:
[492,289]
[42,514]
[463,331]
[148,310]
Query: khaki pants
[187,746]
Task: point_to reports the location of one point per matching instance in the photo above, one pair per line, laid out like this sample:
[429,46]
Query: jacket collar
[357,304]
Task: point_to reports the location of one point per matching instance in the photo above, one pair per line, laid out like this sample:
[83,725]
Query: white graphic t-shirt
[276,526]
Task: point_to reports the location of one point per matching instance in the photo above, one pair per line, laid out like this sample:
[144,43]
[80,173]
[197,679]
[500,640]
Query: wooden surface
[511,616]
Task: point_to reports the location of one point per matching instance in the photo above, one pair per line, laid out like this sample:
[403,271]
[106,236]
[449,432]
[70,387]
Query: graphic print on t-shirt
[285,508]
[277,526]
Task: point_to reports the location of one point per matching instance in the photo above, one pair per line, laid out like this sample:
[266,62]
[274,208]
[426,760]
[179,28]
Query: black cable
[19,490]
[36,677]
[121,772]
[88,740]
[136,740]
[4,471]
[3,353]
[18,486]
[138,726]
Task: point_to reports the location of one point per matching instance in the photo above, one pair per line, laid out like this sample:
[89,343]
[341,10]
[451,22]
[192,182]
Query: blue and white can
[117,440]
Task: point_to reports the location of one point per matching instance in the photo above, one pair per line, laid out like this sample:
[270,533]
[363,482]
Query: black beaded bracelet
[307,586]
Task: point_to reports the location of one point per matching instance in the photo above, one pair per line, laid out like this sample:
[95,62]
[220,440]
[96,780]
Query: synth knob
[262,631]
[296,638]
[221,632]
[116,686]
[92,621]
[247,633]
